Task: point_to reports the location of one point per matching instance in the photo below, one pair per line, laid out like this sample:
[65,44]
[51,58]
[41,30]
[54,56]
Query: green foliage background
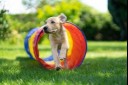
[3,25]
[95,25]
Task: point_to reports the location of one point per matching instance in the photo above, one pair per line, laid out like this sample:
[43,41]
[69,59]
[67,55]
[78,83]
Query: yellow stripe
[70,43]
[31,41]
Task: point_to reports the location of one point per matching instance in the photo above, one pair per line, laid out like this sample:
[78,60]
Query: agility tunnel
[76,52]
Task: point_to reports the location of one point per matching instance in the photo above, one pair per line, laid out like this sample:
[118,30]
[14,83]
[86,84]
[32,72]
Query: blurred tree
[97,26]
[118,10]
[3,25]
[68,8]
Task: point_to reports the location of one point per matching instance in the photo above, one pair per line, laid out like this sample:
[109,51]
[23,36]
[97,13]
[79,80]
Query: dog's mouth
[47,32]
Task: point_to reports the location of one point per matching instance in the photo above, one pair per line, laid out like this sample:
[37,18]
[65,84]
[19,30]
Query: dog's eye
[52,22]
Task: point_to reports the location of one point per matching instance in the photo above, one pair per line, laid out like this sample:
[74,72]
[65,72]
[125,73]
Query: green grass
[105,64]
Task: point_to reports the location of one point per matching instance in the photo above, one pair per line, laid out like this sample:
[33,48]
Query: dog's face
[54,24]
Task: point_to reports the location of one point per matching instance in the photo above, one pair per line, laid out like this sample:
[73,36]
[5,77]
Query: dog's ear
[62,18]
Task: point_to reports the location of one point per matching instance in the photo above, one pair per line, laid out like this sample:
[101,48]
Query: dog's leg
[55,57]
[63,54]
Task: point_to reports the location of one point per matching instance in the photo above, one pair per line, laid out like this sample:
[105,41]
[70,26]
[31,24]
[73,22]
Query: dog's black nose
[45,28]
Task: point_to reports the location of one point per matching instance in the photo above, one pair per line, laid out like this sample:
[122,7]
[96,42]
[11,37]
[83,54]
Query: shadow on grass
[97,71]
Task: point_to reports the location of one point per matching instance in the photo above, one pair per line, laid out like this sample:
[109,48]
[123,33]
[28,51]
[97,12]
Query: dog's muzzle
[46,29]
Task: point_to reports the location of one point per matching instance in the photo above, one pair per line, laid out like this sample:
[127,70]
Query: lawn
[105,64]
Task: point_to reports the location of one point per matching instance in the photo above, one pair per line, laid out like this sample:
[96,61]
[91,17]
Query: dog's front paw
[58,68]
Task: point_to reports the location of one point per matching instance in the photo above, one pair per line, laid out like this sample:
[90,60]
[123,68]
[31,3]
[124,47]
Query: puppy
[58,38]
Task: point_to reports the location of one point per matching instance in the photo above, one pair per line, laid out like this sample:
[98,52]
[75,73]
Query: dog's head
[54,24]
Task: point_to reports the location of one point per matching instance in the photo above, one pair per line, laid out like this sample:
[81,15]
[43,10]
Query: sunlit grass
[105,64]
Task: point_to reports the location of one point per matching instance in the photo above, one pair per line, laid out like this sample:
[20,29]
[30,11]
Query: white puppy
[58,38]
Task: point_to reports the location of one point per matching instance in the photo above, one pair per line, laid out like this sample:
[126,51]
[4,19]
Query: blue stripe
[26,41]
[50,58]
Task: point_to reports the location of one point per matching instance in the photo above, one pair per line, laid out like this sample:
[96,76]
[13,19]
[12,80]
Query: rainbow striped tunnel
[76,52]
